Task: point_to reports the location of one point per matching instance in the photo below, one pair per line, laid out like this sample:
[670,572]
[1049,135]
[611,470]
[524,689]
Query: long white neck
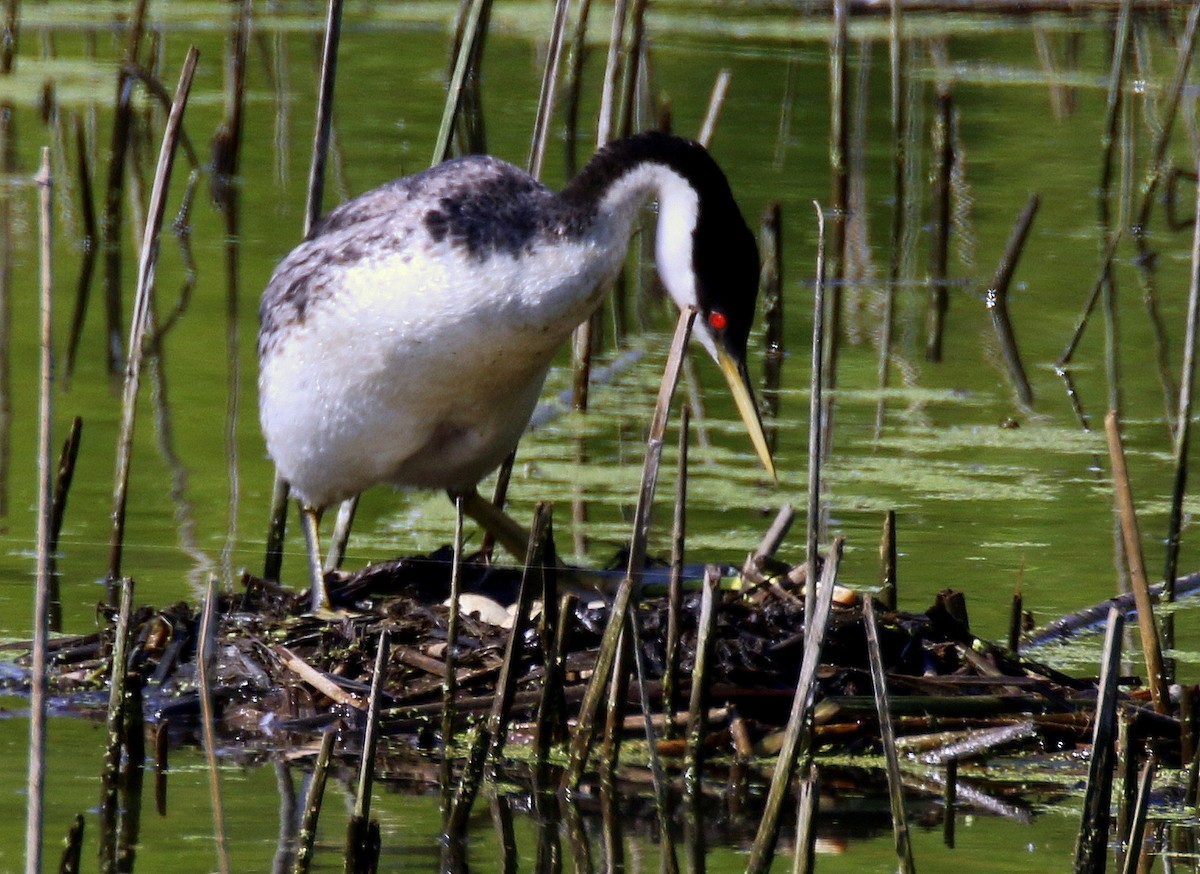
[678,210]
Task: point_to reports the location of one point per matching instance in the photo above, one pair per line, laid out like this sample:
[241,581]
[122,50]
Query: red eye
[717,320]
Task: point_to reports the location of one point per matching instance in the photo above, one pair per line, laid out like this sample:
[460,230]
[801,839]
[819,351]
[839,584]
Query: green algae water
[985,491]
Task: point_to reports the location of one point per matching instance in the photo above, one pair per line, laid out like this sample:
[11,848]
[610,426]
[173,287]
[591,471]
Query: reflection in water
[8,167]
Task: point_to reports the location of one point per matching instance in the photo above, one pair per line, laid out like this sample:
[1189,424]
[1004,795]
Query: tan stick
[1147,627]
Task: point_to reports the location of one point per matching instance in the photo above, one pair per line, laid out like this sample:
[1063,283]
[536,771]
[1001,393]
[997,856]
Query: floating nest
[281,675]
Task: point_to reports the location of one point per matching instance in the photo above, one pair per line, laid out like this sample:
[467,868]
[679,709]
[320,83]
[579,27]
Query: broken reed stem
[1092,843]
[107,824]
[697,725]
[887,736]
[139,319]
[670,692]
[815,407]
[58,509]
[997,300]
[1187,380]
[1148,629]
[366,773]
[716,103]
[1136,846]
[1017,611]
[73,848]
[798,726]
[36,783]
[450,677]
[949,802]
[462,68]
[545,109]
[581,740]
[887,562]
[898,60]
[204,665]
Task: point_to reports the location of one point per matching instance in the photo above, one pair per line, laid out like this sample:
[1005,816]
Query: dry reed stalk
[839,207]
[450,677]
[324,120]
[1148,628]
[997,301]
[545,110]
[670,693]
[109,807]
[574,87]
[815,430]
[798,728]
[632,68]
[1092,844]
[362,845]
[716,102]
[205,657]
[58,509]
[581,740]
[472,32]
[806,821]
[887,736]
[697,727]
[36,782]
[1137,848]
[307,836]
[140,318]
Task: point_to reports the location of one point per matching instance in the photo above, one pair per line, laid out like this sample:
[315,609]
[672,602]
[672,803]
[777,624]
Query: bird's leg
[508,532]
[310,520]
[341,534]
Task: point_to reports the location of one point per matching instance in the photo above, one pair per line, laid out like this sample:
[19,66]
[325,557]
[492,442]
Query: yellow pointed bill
[743,395]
